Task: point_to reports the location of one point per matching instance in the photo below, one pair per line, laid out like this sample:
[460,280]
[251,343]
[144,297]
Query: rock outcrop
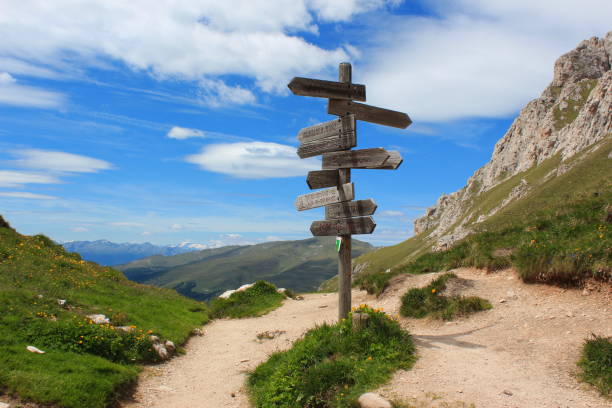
[573,113]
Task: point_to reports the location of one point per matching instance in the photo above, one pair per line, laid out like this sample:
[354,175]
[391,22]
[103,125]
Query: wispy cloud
[56,161]
[10,178]
[13,93]
[26,195]
[253,160]
[216,93]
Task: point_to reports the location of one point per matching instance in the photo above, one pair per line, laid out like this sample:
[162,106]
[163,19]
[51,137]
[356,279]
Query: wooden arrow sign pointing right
[392,163]
[327,89]
[369,113]
[350,209]
[346,226]
[362,158]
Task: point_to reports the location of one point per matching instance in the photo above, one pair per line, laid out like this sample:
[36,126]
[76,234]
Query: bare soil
[520,354]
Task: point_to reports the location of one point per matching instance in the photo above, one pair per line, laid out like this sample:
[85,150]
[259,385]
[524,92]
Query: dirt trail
[520,354]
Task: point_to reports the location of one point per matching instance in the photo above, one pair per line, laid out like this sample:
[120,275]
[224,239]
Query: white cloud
[216,93]
[391,213]
[253,160]
[475,58]
[231,236]
[26,195]
[10,178]
[58,161]
[176,227]
[126,224]
[343,10]
[184,39]
[146,233]
[12,93]
[181,133]
[79,229]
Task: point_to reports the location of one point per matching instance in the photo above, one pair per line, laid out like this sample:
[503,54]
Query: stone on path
[371,400]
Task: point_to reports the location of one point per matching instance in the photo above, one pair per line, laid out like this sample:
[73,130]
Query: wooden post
[344,255]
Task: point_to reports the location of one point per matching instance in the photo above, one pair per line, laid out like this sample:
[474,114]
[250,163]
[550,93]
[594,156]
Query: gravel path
[520,354]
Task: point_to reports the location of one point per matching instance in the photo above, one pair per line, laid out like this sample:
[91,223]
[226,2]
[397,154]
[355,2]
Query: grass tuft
[257,300]
[429,301]
[333,365]
[596,363]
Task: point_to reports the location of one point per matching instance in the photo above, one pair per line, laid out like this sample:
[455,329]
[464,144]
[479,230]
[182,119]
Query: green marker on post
[338,243]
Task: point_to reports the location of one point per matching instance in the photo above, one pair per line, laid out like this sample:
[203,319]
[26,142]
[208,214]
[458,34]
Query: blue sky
[170,121]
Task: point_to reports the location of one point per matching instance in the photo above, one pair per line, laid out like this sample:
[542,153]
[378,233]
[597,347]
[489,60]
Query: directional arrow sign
[346,226]
[327,89]
[343,141]
[392,163]
[322,178]
[369,113]
[350,209]
[329,196]
[324,130]
[355,159]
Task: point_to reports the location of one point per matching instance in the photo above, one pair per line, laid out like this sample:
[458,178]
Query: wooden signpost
[334,139]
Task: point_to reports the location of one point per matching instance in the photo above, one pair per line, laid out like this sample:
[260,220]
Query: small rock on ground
[371,400]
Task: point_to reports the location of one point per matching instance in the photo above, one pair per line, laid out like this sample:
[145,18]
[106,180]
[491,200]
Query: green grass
[565,116]
[430,301]
[257,300]
[565,246]
[85,365]
[596,363]
[332,365]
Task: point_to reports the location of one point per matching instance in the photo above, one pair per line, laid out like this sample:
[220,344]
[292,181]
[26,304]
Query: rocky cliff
[573,113]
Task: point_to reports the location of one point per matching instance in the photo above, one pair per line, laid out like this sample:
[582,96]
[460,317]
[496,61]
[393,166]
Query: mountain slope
[556,151]
[46,295]
[300,265]
[110,253]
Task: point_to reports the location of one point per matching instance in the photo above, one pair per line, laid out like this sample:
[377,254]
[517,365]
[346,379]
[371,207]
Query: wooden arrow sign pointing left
[363,158]
[346,192]
[327,89]
[346,226]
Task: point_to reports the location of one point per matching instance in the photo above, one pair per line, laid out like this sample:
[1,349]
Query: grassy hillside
[84,365]
[299,265]
[566,214]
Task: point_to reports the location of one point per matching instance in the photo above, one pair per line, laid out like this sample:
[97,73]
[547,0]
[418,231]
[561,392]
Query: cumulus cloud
[182,133]
[57,161]
[10,178]
[184,39]
[13,93]
[475,58]
[25,195]
[253,160]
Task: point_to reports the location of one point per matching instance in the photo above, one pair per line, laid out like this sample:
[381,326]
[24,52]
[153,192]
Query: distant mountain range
[300,265]
[111,253]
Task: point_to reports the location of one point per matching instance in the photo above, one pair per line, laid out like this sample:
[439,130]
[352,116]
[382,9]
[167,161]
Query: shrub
[332,364]
[257,300]
[596,363]
[421,302]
